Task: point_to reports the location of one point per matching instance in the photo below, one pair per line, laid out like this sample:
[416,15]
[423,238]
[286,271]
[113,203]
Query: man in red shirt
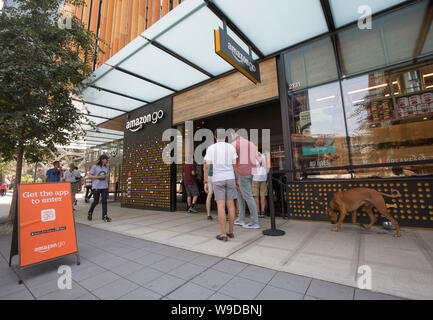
[246,161]
[190,182]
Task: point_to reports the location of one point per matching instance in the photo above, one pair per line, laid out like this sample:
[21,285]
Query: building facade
[349,107]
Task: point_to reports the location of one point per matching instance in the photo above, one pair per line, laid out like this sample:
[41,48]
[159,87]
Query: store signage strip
[230,51]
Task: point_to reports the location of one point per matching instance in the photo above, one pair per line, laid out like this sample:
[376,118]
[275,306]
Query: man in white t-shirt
[225,180]
[73,176]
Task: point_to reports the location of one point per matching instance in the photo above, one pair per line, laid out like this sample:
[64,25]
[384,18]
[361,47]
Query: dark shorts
[192,190]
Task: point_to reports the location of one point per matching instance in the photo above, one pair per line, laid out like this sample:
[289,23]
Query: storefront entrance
[260,117]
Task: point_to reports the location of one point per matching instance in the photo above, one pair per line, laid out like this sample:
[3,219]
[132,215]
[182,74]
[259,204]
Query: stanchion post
[273,232]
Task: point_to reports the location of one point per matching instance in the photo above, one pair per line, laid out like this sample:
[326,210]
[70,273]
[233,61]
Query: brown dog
[348,201]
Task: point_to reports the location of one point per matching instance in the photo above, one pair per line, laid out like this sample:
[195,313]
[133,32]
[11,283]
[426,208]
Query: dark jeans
[96,194]
[89,189]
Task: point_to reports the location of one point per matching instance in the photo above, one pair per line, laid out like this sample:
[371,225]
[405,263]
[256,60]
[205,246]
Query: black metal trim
[91,115]
[234,28]
[113,134]
[90,15]
[285,117]
[143,78]
[97,35]
[364,166]
[99,105]
[118,93]
[174,54]
[97,137]
[425,27]
[344,28]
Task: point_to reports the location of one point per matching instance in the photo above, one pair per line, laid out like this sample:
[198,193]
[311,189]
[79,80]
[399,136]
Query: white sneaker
[239,222]
[251,225]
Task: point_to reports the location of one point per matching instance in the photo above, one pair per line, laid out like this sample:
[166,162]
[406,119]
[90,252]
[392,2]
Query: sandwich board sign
[44,227]
[230,51]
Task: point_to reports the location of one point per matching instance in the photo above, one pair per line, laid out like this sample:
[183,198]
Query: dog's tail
[395,194]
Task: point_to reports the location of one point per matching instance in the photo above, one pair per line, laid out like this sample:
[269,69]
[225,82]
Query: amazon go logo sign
[138,123]
[48,215]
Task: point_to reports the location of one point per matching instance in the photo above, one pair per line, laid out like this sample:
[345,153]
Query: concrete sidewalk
[114,266]
[400,266]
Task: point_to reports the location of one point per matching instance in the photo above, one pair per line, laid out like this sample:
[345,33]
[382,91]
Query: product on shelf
[403,103]
[414,100]
[421,109]
[386,110]
[427,97]
[430,108]
[411,110]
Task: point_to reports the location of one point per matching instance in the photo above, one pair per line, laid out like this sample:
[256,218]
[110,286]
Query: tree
[42,64]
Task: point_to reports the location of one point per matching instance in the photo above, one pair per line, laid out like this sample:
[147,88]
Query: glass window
[394,38]
[310,65]
[390,116]
[317,127]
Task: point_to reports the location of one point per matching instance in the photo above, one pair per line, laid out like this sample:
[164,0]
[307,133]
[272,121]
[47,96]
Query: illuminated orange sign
[46,222]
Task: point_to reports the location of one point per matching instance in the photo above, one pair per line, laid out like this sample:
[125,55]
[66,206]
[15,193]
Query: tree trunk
[36,172]
[18,170]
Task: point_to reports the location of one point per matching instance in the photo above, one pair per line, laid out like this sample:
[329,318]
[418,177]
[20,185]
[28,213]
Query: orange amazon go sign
[230,51]
[46,222]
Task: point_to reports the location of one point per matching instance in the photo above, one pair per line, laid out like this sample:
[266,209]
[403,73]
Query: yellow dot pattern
[309,200]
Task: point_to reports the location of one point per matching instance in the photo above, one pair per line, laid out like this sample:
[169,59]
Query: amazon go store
[350,108]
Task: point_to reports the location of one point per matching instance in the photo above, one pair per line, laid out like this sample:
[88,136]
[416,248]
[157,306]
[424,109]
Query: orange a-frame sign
[46,226]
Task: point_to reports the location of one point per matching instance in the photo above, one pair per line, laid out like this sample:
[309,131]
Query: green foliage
[27,179]
[41,66]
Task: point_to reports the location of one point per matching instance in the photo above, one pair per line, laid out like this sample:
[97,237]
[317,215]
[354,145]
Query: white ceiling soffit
[346,11]
[179,52]
[277,24]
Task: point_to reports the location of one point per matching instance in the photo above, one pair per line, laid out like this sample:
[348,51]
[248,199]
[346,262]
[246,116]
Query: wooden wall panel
[141,16]
[108,30]
[121,20]
[116,31]
[123,24]
[165,7]
[115,124]
[156,10]
[86,13]
[225,93]
[134,20]
[149,12]
[94,16]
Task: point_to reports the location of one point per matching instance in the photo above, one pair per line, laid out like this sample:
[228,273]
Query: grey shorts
[192,190]
[225,190]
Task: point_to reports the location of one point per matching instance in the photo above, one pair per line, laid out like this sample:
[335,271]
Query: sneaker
[209,218]
[192,210]
[75,202]
[251,225]
[262,215]
[106,219]
[86,200]
[89,216]
[239,222]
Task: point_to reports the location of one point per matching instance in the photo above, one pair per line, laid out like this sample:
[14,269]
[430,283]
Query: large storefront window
[390,118]
[317,128]
[393,38]
[310,65]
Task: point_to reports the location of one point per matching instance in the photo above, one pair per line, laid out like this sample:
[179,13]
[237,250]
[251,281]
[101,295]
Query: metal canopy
[177,52]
